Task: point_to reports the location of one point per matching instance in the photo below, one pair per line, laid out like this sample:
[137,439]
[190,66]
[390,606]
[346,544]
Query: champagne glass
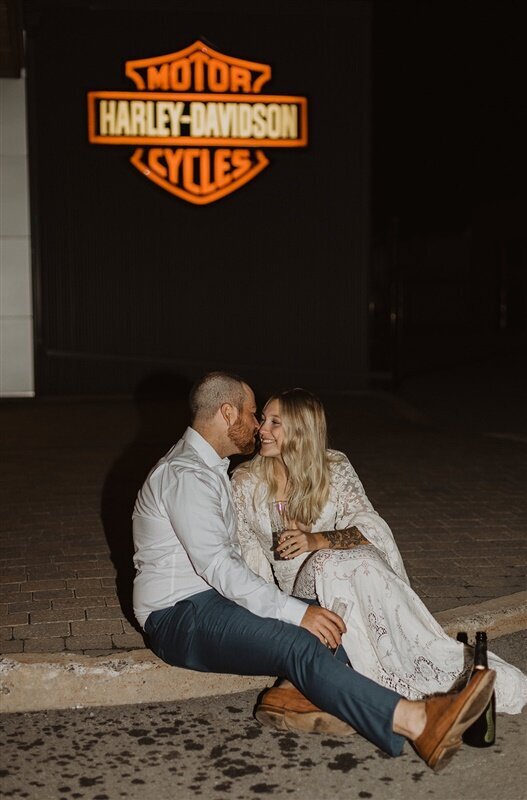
[279,516]
[340,607]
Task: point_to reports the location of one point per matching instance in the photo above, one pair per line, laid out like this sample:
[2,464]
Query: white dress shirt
[185,537]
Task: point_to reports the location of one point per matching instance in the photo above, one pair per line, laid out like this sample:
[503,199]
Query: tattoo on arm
[344,539]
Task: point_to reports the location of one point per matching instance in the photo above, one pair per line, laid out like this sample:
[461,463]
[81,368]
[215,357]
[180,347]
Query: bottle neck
[480,655]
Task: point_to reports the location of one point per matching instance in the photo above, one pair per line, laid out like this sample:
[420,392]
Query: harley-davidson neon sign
[199,121]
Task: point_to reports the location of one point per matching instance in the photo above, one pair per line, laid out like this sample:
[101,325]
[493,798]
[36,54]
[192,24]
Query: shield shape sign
[199,121]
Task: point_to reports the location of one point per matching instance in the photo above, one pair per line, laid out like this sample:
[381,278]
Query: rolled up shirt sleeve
[193,504]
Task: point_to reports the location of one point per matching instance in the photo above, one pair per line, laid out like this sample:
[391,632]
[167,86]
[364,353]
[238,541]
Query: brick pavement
[70,470]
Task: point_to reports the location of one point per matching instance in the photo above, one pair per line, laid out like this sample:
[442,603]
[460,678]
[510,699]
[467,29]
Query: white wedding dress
[391,636]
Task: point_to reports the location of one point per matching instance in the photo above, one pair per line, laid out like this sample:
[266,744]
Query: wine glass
[279,516]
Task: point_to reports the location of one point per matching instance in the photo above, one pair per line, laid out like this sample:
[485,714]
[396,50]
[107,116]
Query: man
[202,607]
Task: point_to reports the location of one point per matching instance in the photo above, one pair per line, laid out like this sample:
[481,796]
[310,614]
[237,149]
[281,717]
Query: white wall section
[16,311]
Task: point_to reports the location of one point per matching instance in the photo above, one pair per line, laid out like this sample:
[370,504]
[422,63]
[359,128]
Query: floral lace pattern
[391,636]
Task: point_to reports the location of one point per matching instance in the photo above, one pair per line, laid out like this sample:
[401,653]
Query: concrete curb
[38,682]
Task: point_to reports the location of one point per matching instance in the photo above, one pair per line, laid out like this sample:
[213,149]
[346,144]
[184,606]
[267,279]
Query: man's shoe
[286,709]
[449,715]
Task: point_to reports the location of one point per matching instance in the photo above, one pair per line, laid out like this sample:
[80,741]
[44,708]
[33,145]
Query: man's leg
[209,633]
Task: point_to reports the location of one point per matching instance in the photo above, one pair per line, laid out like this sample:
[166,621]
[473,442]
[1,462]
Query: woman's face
[271,432]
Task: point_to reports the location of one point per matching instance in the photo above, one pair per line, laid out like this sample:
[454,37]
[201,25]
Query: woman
[340,551]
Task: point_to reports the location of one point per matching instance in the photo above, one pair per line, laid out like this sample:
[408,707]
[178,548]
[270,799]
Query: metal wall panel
[270,281]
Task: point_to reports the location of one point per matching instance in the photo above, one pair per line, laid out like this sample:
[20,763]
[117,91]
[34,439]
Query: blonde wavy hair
[304,453]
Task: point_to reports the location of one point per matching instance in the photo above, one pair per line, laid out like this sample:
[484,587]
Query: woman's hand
[297,540]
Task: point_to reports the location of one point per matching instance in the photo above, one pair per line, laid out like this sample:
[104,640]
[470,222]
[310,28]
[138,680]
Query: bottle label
[489,718]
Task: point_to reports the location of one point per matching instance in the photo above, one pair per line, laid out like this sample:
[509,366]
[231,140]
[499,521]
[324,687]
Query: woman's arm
[251,550]
[352,505]
[340,540]
[295,542]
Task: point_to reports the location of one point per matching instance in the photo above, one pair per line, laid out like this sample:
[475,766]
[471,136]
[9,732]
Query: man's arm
[193,502]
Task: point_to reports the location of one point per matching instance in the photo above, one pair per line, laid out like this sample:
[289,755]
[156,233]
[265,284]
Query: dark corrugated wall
[270,281]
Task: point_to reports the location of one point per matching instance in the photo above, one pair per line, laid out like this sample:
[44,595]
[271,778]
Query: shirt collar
[204,449]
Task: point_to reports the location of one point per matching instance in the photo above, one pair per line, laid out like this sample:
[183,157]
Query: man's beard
[242,437]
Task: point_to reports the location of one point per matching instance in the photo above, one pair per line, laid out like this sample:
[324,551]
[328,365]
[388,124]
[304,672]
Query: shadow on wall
[162,408]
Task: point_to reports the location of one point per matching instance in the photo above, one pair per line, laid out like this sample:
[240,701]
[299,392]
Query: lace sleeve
[354,508]
[251,550]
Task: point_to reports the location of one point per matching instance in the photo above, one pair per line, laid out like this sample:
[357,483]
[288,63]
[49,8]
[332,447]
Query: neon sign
[199,121]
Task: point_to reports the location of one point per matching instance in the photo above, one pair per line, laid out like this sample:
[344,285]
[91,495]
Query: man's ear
[228,412]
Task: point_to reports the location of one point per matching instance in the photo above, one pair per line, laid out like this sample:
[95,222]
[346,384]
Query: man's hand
[325,625]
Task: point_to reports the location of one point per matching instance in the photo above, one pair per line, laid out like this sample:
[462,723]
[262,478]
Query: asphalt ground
[214,748]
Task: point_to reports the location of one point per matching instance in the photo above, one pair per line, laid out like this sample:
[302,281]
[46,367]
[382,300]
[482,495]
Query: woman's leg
[209,633]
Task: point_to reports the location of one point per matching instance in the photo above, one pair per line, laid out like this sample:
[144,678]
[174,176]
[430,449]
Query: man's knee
[304,646]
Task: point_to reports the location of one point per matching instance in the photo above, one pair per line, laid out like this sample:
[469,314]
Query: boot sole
[308,722]
[469,713]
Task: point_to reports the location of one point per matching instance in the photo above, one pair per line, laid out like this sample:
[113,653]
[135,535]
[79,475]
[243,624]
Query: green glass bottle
[482,732]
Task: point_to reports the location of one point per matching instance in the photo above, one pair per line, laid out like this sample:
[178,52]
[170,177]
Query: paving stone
[99,572]
[459,592]
[45,585]
[79,644]
[12,646]
[93,591]
[128,640]
[15,597]
[44,645]
[104,612]
[78,602]
[52,594]
[38,574]
[29,605]
[84,583]
[75,562]
[10,588]
[20,618]
[58,614]
[95,627]
[498,582]
[41,630]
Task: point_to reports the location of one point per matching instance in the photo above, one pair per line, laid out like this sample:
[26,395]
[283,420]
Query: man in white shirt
[202,607]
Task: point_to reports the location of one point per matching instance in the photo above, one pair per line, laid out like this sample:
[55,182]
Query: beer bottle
[462,637]
[482,732]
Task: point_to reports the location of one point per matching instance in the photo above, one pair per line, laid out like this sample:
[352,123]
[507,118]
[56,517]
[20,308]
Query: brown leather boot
[449,715]
[286,709]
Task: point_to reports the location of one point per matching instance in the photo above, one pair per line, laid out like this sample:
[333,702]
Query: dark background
[449,210]
[263,282]
[395,243]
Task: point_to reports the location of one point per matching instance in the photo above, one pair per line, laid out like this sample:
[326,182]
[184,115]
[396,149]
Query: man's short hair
[214,389]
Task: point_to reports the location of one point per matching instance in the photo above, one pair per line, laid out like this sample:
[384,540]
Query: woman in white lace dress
[339,549]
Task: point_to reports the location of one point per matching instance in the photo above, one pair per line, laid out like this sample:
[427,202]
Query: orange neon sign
[199,121]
